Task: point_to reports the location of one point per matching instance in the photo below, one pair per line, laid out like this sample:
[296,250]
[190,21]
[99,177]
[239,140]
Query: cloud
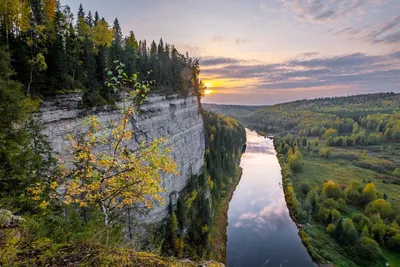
[326,10]
[212,61]
[311,70]
[192,50]
[240,41]
[387,32]
[217,39]
[248,216]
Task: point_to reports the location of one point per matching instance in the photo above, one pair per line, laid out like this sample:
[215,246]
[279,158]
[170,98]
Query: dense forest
[52,51]
[51,213]
[238,112]
[195,217]
[340,164]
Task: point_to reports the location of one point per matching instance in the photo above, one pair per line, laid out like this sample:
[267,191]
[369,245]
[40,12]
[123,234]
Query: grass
[316,171]
[393,258]
[327,246]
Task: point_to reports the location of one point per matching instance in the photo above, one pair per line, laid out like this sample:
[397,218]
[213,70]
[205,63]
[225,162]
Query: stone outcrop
[177,119]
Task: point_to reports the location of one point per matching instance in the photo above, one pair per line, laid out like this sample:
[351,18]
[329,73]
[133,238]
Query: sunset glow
[273,51]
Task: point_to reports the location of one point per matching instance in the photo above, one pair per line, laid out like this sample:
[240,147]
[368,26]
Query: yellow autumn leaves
[105,170]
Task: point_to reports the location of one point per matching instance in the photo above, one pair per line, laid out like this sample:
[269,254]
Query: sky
[257,52]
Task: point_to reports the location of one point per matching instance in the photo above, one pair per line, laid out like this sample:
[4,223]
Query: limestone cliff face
[176,119]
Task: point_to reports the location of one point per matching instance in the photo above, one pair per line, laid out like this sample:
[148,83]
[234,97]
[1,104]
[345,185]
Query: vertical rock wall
[176,119]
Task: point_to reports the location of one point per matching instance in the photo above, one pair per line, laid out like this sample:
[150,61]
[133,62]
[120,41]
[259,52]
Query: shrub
[305,187]
[335,215]
[326,152]
[342,205]
[330,229]
[394,242]
[396,172]
[295,161]
[368,193]
[381,207]
[369,249]
[350,235]
[331,190]
[330,203]
[330,133]
[360,221]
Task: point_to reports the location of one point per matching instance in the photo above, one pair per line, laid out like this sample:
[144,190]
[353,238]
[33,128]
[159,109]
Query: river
[260,230]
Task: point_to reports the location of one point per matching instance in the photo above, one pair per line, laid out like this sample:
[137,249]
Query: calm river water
[260,231]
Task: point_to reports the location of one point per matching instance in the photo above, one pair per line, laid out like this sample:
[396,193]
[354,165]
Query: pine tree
[96,18]
[130,54]
[116,48]
[15,139]
[154,62]
[56,61]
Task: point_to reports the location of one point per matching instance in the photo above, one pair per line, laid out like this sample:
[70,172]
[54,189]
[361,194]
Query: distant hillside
[238,112]
[323,112]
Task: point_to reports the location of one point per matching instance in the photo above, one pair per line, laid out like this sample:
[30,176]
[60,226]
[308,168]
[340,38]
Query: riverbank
[218,236]
[295,212]
[320,244]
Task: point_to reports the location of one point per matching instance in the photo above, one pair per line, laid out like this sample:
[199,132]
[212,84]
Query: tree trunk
[73,78]
[8,45]
[30,81]
[130,224]
[105,213]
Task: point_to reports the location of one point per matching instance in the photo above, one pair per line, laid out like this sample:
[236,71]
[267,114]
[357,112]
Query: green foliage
[381,207]
[305,187]
[339,199]
[368,193]
[330,133]
[225,139]
[325,152]
[295,161]
[369,249]
[360,221]
[396,172]
[348,116]
[54,53]
[350,235]
[331,190]
[20,142]
[330,229]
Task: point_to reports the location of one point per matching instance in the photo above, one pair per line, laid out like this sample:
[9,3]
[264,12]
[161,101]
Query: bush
[396,172]
[381,207]
[368,194]
[330,229]
[305,187]
[369,249]
[350,235]
[295,161]
[342,205]
[331,190]
[360,221]
[326,152]
[394,242]
[330,133]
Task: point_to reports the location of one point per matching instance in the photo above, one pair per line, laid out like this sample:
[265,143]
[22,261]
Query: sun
[208,91]
[208,84]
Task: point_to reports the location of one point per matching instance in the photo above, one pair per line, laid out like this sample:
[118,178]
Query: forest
[53,51]
[340,165]
[51,213]
[198,207]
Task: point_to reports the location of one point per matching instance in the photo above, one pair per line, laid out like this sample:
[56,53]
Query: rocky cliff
[176,119]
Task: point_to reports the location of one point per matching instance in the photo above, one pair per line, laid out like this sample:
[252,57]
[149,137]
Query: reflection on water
[260,230]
